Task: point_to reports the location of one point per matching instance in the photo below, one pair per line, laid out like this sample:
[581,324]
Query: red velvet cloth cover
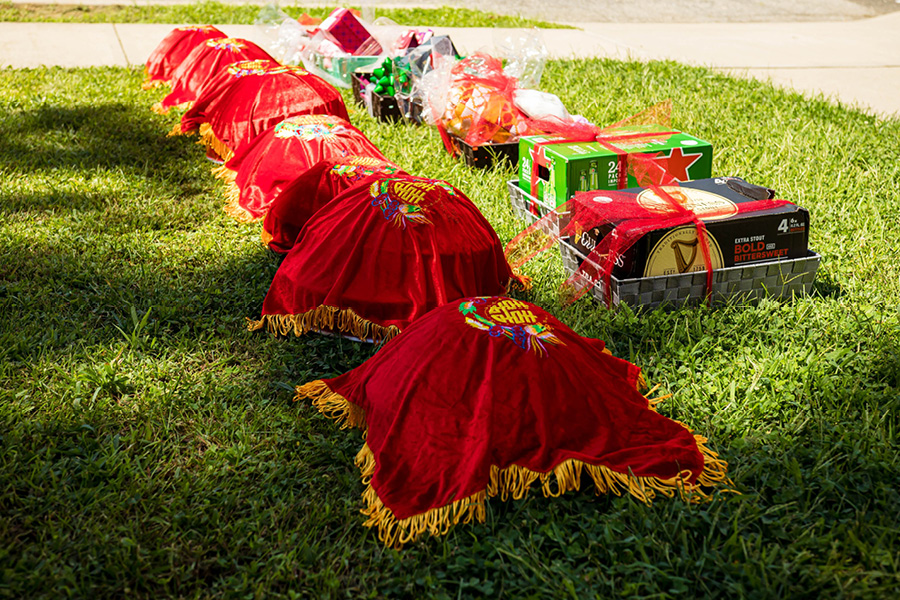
[261,168]
[381,255]
[172,51]
[204,61]
[483,385]
[252,98]
[301,198]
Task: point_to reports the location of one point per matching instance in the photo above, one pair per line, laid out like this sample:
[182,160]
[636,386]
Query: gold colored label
[511,312]
[679,252]
[706,205]
[411,192]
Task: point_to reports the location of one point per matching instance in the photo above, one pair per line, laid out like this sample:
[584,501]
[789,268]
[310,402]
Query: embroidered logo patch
[402,200]
[357,168]
[321,127]
[260,67]
[231,44]
[512,319]
[203,28]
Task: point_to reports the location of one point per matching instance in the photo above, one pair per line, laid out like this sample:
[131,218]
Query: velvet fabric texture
[250,98]
[172,51]
[487,396]
[204,61]
[260,169]
[307,193]
[381,255]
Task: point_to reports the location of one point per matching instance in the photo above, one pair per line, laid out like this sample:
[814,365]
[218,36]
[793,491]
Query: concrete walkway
[856,62]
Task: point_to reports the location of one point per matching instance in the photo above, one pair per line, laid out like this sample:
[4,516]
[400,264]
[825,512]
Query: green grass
[221,13]
[149,446]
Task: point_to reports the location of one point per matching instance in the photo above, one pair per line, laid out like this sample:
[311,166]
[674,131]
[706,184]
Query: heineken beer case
[770,234]
[567,168]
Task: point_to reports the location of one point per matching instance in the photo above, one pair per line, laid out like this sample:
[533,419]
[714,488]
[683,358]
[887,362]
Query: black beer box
[735,239]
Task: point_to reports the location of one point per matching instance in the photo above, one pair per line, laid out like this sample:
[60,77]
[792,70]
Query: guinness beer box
[735,238]
[565,169]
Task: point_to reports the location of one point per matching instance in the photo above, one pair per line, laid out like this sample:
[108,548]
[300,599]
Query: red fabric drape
[488,394]
[301,198]
[384,253]
[204,61]
[260,169]
[172,51]
[252,98]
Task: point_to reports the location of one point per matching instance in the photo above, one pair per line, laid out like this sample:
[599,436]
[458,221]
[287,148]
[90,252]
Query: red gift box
[345,30]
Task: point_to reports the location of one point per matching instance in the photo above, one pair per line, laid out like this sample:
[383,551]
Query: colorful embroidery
[232,44]
[401,200]
[203,28]
[358,168]
[304,129]
[512,319]
[261,67]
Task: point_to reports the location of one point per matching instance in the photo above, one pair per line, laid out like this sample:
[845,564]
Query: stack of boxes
[754,253]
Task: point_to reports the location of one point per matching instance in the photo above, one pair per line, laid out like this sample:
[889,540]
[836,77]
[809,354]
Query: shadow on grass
[108,136]
[826,286]
[54,297]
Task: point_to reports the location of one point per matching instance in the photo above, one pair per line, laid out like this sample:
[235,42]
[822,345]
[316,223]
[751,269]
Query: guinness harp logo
[678,251]
[678,248]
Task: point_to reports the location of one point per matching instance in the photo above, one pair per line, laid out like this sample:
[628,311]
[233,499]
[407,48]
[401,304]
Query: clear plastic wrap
[287,38]
[524,55]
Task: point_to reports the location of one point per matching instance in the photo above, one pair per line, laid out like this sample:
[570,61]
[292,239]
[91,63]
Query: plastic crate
[386,108]
[486,155]
[746,283]
[359,91]
[411,109]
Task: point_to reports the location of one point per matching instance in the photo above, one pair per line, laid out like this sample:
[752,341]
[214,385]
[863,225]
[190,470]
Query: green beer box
[567,168]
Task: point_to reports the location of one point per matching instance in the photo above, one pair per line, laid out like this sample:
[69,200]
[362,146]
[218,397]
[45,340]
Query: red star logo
[678,163]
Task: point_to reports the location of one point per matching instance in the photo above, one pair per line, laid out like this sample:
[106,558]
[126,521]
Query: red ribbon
[630,221]
[604,138]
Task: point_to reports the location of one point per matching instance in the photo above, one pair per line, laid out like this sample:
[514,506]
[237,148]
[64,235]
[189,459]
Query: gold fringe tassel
[159,109]
[209,139]
[334,406]
[150,84]
[266,237]
[232,195]
[512,482]
[515,482]
[327,318]
[519,282]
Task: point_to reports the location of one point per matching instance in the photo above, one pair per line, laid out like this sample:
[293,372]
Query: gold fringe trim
[334,406]
[159,109]
[177,130]
[151,84]
[512,482]
[515,482]
[232,195]
[266,237]
[328,318]
[209,139]
[519,282]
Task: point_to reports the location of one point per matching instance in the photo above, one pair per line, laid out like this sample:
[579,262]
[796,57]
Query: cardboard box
[747,282]
[351,36]
[735,239]
[568,168]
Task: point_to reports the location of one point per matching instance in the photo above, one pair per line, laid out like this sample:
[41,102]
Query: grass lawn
[221,13]
[149,447]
